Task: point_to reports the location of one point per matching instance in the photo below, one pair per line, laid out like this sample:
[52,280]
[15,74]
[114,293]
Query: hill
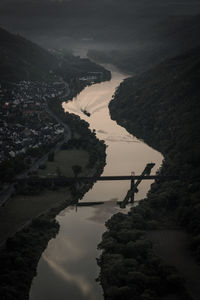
[20,59]
[164,101]
[167,38]
[162,107]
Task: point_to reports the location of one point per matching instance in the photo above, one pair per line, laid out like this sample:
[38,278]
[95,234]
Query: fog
[103,25]
[91,20]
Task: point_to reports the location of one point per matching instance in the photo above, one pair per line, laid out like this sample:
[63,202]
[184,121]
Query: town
[28,128]
[26,124]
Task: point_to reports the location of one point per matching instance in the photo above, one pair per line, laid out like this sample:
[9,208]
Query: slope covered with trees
[20,59]
[162,107]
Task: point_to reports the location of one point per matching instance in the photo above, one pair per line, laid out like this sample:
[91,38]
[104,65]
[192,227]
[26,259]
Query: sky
[68,21]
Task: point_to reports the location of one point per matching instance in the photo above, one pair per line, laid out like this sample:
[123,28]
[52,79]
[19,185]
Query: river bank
[160,108]
[20,254]
[27,245]
[68,265]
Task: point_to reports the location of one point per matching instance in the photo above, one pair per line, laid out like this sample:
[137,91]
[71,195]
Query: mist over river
[68,268]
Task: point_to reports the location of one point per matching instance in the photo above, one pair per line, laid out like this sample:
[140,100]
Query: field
[63,162]
[21,209]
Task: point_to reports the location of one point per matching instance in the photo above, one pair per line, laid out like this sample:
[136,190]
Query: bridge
[63,179]
[135,180]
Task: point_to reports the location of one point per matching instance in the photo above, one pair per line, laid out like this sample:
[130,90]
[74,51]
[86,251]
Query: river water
[67,268]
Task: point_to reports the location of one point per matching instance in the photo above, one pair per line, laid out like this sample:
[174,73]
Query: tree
[51,156]
[77,170]
[58,171]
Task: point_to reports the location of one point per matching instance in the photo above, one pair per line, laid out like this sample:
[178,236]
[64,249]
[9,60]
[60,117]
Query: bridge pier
[132,187]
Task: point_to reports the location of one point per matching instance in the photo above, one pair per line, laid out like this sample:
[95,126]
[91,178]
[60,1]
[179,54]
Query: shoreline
[54,108]
[156,115]
[33,232]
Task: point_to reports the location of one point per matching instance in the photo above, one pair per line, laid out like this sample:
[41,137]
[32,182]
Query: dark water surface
[67,268]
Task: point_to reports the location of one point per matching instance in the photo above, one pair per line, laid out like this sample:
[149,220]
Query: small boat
[86,112]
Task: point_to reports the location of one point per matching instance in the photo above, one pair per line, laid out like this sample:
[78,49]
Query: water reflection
[78,280]
[68,266]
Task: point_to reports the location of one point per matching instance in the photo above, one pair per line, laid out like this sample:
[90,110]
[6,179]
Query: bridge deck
[101,178]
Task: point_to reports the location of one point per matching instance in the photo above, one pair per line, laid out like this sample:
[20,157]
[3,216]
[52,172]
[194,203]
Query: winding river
[67,268]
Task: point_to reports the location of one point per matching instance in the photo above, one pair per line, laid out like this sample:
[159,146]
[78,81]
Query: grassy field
[21,209]
[63,162]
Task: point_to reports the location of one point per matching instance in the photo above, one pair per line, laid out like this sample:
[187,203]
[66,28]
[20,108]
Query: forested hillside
[168,38]
[162,107]
[20,59]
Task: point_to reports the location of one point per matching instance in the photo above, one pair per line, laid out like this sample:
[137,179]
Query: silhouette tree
[77,170]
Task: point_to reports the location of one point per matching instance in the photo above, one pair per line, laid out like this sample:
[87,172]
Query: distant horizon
[93,23]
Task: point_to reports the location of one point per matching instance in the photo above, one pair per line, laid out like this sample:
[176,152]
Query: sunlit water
[67,268]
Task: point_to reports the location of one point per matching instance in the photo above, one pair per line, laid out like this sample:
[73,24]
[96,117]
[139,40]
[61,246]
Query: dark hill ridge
[163,100]
[167,38]
[22,59]
[162,107]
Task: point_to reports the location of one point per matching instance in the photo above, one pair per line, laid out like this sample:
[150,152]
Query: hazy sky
[83,20]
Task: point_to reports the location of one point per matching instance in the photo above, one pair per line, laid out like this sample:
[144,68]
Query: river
[67,268]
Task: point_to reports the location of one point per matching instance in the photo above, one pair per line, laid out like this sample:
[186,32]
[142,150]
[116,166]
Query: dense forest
[162,107]
[21,59]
